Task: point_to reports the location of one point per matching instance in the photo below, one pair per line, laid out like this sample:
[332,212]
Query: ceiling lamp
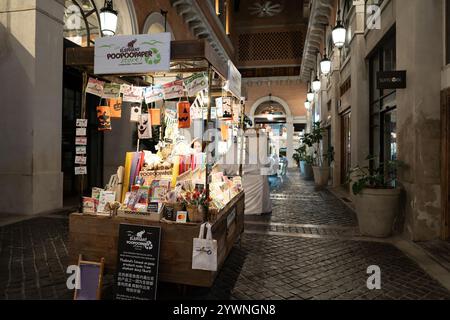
[338,34]
[310,94]
[325,65]
[307,105]
[316,85]
[108,19]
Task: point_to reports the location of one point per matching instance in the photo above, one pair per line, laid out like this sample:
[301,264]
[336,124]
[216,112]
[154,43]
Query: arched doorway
[274,113]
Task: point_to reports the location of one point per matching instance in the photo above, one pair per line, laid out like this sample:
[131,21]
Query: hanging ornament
[184,114]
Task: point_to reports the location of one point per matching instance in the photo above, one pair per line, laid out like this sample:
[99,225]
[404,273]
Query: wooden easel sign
[137,262]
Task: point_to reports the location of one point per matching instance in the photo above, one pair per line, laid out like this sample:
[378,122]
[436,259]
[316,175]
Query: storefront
[185,114]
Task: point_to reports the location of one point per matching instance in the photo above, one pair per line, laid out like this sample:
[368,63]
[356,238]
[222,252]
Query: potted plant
[196,203]
[304,162]
[320,165]
[377,197]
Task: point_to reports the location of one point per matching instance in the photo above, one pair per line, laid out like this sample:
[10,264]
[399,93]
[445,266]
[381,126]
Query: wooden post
[83,116]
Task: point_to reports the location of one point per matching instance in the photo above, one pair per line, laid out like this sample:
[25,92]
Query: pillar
[31,70]
[420,52]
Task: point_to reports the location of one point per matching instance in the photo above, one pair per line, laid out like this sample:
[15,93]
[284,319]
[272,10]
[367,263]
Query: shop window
[346,149]
[383,136]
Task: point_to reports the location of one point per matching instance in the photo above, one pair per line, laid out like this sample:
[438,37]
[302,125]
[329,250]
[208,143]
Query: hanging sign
[80,171]
[136,111]
[82,123]
[184,114]
[234,82]
[111,91]
[137,262]
[115,106]
[391,80]
[173,90]
[95,87]
[226,108]
[80,132]
[133,94]
[80,160]
[132,54]
[80,150]
[144,126]
[153,94]
[81,141]
[196,83]
[104,118]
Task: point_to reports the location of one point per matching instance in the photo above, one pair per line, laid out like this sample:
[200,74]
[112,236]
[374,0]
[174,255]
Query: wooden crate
[96,237]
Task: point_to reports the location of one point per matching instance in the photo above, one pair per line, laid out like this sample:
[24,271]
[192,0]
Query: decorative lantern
[108,19]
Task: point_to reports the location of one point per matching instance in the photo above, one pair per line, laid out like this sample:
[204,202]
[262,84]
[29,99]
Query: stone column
[31,70]
[420,53]
[360,117]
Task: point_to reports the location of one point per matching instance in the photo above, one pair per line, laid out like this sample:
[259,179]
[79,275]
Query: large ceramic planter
[321,175]
[376,210]
[306,170]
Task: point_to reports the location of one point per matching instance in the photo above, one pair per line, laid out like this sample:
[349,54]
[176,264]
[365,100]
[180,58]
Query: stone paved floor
[307,249]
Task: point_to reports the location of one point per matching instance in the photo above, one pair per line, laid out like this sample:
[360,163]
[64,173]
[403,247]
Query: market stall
[181,96]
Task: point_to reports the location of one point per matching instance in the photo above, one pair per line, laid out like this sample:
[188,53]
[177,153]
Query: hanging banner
[104,118]
[116,107]
[132,54]
[196,83]
[133,94]
[234,82]
[144,126]
[95,87]
[111,91]
[184,114]
[173,90]
[136,111]
[153,94]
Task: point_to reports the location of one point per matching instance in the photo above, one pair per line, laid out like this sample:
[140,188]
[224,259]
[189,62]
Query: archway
[288,121]
[156,23]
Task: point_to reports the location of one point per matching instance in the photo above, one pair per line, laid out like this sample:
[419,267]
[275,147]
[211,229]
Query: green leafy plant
[313,140]
[382,176]
[301,154]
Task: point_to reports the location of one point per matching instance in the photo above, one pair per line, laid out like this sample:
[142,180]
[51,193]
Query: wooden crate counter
[96,237]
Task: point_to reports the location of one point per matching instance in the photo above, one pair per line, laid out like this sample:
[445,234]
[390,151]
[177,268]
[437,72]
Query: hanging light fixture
[338,34]
[310,94]
[307,105]
[108,19]
[325,63]
[316,84]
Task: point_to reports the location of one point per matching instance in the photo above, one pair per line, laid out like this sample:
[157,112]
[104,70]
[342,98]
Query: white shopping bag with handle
[204,253]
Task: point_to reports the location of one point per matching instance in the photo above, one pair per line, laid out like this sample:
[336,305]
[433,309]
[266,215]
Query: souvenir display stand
[95,234]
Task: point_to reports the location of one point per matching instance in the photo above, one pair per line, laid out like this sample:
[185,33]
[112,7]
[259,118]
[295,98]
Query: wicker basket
[195,215]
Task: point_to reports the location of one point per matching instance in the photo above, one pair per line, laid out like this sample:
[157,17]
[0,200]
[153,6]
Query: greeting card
[104,118]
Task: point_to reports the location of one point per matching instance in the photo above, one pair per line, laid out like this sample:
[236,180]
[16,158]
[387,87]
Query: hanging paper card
[80,160]
[115,106]
[104,118]
[184,114]
[155,115]
[213,113]
[111,91]
[80,171]
[219,107]
[81,141]
[196,83]
[95,87]
[125,88]
[226,107]
[135,94]
[80,150]
[82,123]
[153,94]
[224,132]
[80,132]
[144,127]
[135,112]
[236,111]
[196,112]
[173,90]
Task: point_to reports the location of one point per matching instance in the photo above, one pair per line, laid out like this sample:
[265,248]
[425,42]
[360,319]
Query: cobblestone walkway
[307,249]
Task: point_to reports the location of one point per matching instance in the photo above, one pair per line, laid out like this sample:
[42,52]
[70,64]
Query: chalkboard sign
[137,262]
